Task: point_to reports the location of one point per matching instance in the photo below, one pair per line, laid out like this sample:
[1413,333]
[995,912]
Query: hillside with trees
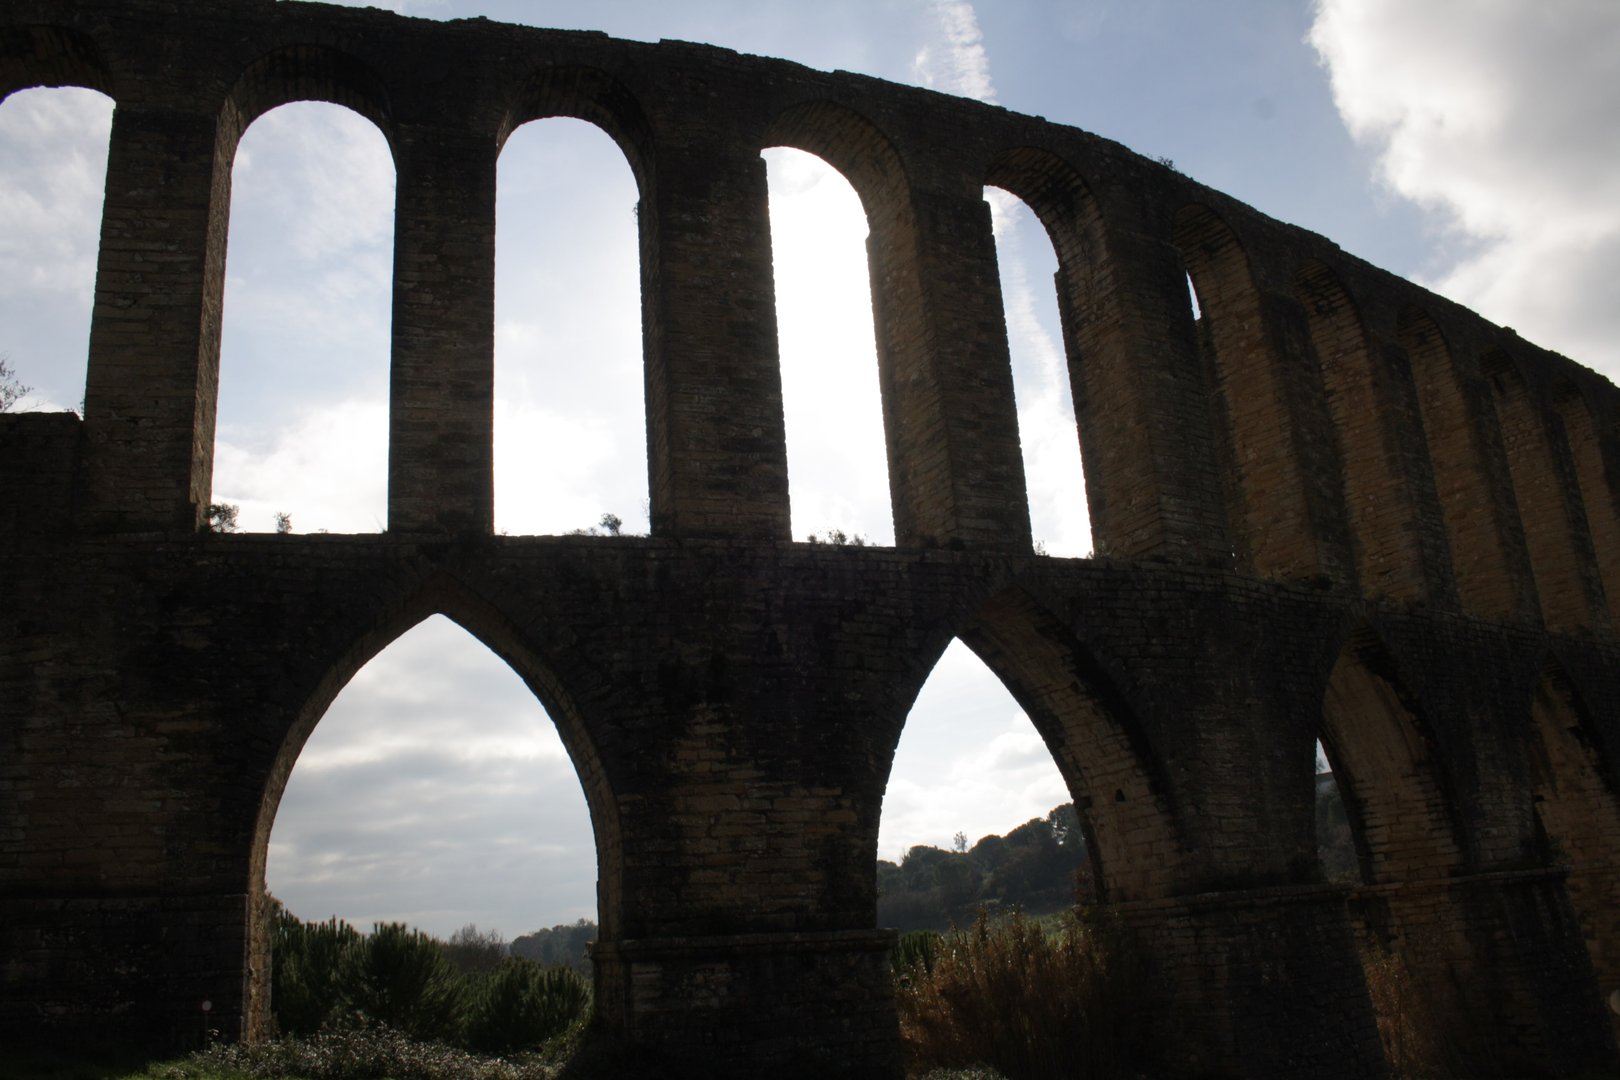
[1038,868]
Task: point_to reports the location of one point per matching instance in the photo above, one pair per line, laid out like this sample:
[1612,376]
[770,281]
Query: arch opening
[838,475]
[1456,446]
[570,401]
[1597,502]
[976,812]
[1054,468]
[1578,815]
[434,790]
[1272,528]
[1416,960]
[301,437]
[1378,501]
[53,166]
[1374,742]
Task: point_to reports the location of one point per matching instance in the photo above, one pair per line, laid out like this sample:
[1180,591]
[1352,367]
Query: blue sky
[1468,144]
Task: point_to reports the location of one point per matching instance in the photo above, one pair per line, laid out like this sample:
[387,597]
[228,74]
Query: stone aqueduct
[1333,506]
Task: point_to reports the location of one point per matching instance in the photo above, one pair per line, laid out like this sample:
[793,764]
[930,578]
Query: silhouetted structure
[1332,505]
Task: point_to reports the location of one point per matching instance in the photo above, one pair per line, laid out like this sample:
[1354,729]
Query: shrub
[520,1005]
[913,950]
[399,978]
[1031,1004]
[372,1054]
[304,971]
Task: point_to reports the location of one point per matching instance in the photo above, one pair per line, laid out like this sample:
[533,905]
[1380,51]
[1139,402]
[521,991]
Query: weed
[1032,1004]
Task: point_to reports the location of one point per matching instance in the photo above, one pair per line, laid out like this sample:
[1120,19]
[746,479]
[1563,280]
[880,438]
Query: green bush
[915,949]
[520,1005]
[399,978]
[304,971]
[1031,1004]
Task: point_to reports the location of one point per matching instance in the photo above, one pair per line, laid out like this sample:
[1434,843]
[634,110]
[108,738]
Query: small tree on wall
[12,389]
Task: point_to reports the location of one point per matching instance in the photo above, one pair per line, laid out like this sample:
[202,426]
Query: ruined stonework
[1332,505]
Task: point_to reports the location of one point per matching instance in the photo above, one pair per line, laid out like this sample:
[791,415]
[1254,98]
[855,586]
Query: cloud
[1502,118]
[53,165]
[329,470]
[956,61]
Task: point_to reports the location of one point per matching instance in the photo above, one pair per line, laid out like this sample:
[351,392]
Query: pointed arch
[1578,812]
[1112,771]
[1385,763]
[1382,515]
[1267,502]
[483,620]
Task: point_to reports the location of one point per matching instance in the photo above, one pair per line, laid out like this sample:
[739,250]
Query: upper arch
[588,94]
[33,56]
[853,145]
[305,73]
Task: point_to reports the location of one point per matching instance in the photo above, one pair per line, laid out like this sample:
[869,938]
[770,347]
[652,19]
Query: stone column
[154,334]
[716,443]
[441,387]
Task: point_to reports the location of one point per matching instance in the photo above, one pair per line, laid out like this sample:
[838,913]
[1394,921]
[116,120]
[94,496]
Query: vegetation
[839,538]
[1014,997]
[560,946]
[1039,868]
[222,517]
[327,979]
[12,389]
[1030,1002]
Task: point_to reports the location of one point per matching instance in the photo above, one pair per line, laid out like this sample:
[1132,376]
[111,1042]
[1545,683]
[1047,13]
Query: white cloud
[1502,117]
[329,470]
[956,62]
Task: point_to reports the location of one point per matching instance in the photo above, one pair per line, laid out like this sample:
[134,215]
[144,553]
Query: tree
[472,950]
[399,977]
[12,389]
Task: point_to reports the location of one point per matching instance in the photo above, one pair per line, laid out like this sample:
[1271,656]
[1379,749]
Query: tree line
[1038,868]
[468,992]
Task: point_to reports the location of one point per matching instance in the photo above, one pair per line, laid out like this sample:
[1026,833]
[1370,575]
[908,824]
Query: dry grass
[1026,1001]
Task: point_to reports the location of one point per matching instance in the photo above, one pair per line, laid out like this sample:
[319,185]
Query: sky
[1469,145]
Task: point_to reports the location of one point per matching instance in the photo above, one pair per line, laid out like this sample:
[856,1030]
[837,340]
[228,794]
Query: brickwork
[1328,506]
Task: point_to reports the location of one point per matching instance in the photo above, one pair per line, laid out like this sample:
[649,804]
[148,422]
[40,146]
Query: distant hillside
[1042,867]
[1039,867]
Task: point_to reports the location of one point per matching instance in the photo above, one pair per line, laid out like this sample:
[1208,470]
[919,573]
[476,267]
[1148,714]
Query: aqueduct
[1332,505]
